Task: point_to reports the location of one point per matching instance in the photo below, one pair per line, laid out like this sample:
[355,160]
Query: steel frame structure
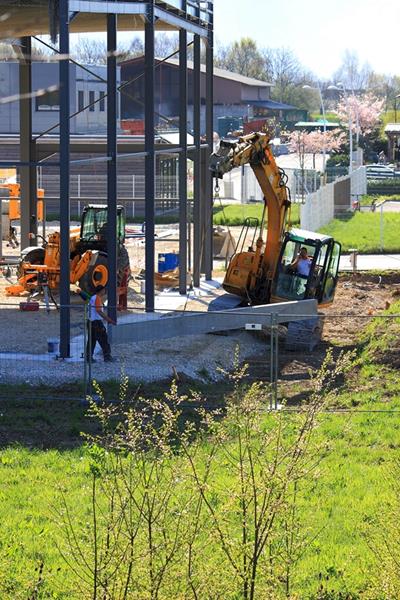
[193,17]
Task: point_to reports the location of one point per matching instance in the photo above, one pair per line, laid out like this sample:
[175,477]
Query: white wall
[359,182]
[318,208]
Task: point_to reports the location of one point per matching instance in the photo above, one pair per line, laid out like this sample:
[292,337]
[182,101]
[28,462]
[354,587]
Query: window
[91,101]
[102,101]
[81,99]
[49,101]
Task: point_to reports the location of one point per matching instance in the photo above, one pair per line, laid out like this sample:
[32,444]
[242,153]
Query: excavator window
[331,277]
[290,284]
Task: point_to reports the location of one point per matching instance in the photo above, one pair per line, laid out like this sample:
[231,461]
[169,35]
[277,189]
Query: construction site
[171,287]
[199,301]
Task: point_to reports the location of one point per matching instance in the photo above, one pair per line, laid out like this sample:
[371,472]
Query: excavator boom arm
[254,150]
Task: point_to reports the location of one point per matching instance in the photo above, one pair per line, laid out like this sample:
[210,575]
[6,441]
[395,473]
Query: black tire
[34,257]
[94,275]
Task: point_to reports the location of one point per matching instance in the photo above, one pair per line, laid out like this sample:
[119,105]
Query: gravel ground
[199,357]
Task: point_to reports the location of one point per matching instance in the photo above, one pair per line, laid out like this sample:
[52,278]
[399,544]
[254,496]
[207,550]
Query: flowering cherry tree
[363,111]
[314,142]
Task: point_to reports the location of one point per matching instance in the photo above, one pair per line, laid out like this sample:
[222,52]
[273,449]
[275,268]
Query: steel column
[65,324]
[203,204]
[196,162]
[150,157]
[28,178]
[183,212]
[112,190]
[208,249]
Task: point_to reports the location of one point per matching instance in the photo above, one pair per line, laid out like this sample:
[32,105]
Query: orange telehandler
[39,267]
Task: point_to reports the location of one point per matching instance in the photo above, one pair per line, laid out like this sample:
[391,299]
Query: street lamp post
[340,86]
[309,87]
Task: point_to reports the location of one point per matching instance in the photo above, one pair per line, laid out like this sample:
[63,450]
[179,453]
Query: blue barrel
[167,261]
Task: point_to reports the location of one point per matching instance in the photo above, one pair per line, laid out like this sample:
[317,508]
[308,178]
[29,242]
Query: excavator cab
[323,255]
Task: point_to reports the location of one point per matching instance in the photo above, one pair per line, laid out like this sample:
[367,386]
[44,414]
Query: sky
[318,31]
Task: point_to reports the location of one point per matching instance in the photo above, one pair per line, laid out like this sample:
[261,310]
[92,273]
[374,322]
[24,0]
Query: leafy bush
[338,160]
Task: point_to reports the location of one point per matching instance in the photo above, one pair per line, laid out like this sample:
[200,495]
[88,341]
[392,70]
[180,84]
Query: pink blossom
[365,110]
[314,142]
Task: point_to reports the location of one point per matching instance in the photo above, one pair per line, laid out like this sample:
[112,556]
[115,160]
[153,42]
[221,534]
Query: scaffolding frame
[193,17]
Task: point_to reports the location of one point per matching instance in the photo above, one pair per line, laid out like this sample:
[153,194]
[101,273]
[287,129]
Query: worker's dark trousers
[98,334]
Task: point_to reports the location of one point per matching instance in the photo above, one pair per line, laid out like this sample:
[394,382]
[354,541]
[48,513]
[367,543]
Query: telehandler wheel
[96,274]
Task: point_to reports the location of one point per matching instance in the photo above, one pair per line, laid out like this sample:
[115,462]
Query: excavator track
[304,335]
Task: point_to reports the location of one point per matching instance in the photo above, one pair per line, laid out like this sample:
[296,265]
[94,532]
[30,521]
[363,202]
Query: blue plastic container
[167,261]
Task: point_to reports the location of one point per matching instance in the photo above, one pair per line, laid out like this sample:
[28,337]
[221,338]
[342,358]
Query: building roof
[328,124]
[271,104]
[392,128]
[217,72]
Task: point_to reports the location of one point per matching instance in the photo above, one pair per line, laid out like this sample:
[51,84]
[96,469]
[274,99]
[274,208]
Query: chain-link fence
[284,351]
[86,188]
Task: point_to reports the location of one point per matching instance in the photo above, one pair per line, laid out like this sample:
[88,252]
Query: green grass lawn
[363,231]
[234,214]
[330,116]
[350,489]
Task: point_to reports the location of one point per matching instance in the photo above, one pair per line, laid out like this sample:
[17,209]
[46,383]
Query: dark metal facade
[192,18]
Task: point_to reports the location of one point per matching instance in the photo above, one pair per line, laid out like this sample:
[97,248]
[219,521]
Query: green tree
[242,57]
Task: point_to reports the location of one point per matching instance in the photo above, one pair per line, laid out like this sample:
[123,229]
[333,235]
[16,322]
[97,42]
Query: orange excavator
[264,271]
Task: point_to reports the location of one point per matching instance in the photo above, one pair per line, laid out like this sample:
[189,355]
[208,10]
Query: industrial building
[88,86]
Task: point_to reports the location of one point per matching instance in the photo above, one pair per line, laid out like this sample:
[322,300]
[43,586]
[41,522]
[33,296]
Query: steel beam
[28,177]
[138,8]
[179,22]
[5,164]
[89,6]
[65,324]
[150,165]
[183,212]
[196,161]
[208,244]
[112,191]
[160,327]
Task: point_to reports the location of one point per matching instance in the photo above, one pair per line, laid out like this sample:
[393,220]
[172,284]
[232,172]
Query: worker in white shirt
[97,331]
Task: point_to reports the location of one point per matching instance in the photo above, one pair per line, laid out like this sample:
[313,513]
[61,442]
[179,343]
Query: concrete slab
[184,324]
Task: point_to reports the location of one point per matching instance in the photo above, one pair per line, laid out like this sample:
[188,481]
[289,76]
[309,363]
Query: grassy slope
[349,491]
[234,214]
[362,231]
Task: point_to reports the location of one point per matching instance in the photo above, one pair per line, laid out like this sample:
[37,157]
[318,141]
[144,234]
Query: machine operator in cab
[302,264]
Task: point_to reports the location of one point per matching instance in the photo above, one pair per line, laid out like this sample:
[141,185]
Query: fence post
[381,224]
[273,402]
[85,378]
